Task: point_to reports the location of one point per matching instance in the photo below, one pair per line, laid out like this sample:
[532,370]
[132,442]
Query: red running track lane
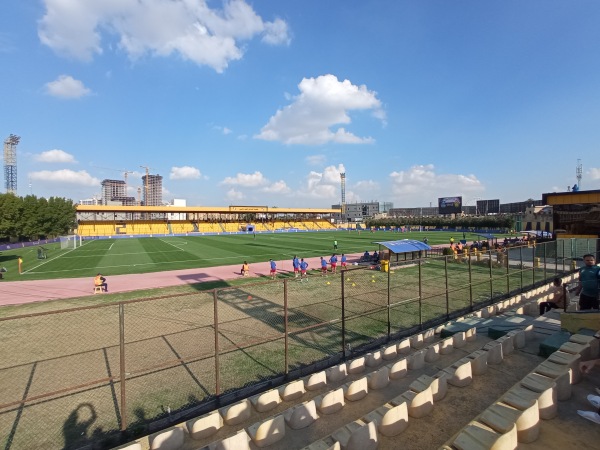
[21,292]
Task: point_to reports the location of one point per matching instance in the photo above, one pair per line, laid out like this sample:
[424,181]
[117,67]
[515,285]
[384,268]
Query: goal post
[70,242]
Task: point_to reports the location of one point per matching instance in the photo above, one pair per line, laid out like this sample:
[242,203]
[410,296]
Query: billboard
[488,206]
[449,205]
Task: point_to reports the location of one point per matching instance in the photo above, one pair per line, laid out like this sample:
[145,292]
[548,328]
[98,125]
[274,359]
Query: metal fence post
[522,267]
[420,295]
[447,293]
[470,285]
[285,323]
[545,274]
[343,317]
[532,266]
[490,264]
[216,328]
[122,366]
[507,257]
[388,302]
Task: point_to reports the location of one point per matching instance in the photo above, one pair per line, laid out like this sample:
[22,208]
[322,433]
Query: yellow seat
[97,289]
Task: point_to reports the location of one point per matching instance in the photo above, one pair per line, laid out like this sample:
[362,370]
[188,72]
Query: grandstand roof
[205,209]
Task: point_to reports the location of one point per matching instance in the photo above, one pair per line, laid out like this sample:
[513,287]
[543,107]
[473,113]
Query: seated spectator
[375,256]
[559,299]
[99,280]
[594,400]
[245,269]
[366,256]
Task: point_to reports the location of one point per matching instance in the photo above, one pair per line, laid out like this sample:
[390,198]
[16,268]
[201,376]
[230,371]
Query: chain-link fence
[103,373]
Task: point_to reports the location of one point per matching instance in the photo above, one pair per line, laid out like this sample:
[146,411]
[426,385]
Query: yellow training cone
[328,283]
[353,284]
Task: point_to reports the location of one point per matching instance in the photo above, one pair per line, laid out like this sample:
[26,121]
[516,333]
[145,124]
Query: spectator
[594,400]
[559,299]
[366,256]
[588,283]
[375,256]
[99,280]
[245,269]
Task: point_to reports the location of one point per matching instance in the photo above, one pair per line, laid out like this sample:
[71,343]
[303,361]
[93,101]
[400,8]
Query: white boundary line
[173,245]
[48,260]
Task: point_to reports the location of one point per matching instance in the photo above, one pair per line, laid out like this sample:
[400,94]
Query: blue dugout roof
[405,245]
[486,235]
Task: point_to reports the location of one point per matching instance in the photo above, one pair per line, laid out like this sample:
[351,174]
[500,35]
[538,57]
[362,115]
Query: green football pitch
[144,255]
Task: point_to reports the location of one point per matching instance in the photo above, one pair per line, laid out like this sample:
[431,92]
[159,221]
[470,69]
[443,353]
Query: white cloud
[66,86]
[223,130]
[323,103]
[233,194]
[190,29]
[367,185]
[255,179]
[184,173]
[276,33]
[55,156]
[279,187]
[594,173]
[421,184]
[65,176]
[324,185]
[254,182]
[315,160]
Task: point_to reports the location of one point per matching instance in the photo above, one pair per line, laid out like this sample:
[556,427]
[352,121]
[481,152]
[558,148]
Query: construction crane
[578,173]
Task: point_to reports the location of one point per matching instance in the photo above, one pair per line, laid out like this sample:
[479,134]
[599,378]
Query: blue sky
[265,103]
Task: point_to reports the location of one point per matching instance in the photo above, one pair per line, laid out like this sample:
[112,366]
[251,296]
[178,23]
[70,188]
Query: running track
[21,292]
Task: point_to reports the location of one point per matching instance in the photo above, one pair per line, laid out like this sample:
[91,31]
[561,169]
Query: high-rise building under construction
[115,191]
[152,190]
[112,189]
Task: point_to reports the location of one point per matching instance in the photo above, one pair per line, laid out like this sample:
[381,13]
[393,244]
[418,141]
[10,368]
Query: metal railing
[102,373]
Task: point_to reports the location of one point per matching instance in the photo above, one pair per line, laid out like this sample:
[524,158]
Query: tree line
[31,218]
[506,222]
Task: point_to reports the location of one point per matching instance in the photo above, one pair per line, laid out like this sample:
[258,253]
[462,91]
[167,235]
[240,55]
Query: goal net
[70,242]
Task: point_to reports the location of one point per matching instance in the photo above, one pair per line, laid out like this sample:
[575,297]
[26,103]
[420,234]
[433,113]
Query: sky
[265,103]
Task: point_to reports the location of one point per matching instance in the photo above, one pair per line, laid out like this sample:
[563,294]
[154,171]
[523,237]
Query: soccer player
[323,267]
[296,266]
[333,261]
[303,267]
[273,269]
[343,261]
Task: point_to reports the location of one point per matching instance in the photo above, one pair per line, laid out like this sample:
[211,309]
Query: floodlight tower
[578,173]
[343,179]
[10,163]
